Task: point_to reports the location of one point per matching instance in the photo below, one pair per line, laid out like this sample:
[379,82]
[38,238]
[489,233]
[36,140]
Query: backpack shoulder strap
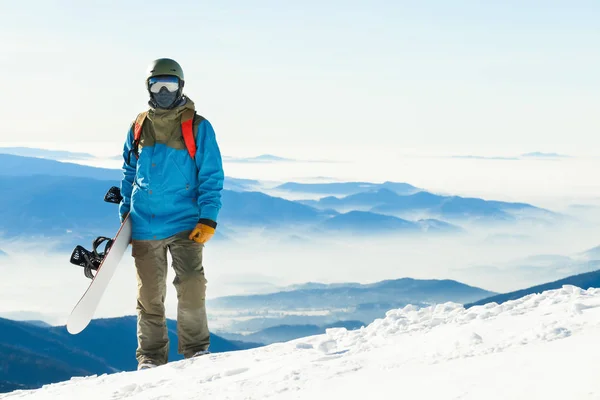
[137,133]
[139,122]
[188,119]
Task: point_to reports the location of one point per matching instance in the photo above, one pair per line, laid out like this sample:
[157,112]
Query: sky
[333,79]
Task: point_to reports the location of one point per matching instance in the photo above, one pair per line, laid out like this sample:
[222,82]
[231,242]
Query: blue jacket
[165,191]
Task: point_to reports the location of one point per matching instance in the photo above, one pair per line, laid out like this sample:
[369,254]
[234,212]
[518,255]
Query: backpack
[189,120]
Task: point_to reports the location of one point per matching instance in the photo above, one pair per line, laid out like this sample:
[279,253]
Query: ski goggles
[158,82]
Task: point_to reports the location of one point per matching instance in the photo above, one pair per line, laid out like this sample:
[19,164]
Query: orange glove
[202,233]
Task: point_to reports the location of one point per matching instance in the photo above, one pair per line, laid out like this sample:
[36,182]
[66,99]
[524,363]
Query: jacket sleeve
[129,169]
[210,173]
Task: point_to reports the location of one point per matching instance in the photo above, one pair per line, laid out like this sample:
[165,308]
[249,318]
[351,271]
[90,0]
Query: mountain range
[539,154]
[13,166]
[430,205]
[363,222]
[44,153]
[584,281]
[343,295]
[259,209]
[535,269]
[323,304]
[347,188]
[32,355]
[285,333]
[65,201]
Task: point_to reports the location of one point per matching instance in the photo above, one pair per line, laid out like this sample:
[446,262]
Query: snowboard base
[104,263]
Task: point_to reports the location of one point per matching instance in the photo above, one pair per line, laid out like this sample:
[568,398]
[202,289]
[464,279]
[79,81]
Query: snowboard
[105,265]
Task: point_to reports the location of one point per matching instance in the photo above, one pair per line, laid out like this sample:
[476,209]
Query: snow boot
[146,365]
[201,353]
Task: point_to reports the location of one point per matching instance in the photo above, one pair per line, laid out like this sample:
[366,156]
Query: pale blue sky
[311,78]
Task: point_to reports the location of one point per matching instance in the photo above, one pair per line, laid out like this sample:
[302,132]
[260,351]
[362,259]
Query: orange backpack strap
[137,133]
[137,128]
[187,130]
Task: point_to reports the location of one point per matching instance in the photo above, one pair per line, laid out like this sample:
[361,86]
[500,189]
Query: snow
[543,346]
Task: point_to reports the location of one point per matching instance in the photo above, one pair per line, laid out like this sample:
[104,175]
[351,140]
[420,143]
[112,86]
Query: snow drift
[543,346]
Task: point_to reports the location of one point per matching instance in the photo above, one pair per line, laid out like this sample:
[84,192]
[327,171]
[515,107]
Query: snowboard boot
[146,365]
[201,353]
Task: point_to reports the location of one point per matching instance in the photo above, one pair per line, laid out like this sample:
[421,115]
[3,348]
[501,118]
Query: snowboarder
[171,188]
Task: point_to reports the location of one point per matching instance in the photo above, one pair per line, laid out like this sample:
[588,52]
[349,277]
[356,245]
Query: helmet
[165,66]
[162,67]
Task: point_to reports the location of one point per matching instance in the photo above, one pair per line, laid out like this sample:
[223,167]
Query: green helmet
[165,66]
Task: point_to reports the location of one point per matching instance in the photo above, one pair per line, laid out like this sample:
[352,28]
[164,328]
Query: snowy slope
[543,346]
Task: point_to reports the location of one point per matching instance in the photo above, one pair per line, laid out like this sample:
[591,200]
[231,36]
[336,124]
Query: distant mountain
[368,200]
[40,324]
[71,207]
[54,205]
[584,281]
[368,223]
[270,157]
[259,209]
[14,165]
[399,292]
[506,238]
[460,208]
[538,154]
[44,153]
[33,356]
[317,285]
[362,222]
[68,202]
[486,158]
[319,304]
[28,166]
[436,226]
[285,333]
[535,269]
[385,201]
[240,185]
[347,188]
[591,254]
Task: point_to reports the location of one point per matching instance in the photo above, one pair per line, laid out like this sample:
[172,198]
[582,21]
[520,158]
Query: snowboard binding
[91,260]
[113,195]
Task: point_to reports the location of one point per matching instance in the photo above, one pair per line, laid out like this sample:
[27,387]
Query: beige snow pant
[190,283]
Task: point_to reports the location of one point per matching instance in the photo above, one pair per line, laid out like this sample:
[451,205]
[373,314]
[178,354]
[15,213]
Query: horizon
[515,178]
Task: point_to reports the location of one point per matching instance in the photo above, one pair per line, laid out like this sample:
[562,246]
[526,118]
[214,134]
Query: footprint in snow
[127,391]
[328,346]
[236,371]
